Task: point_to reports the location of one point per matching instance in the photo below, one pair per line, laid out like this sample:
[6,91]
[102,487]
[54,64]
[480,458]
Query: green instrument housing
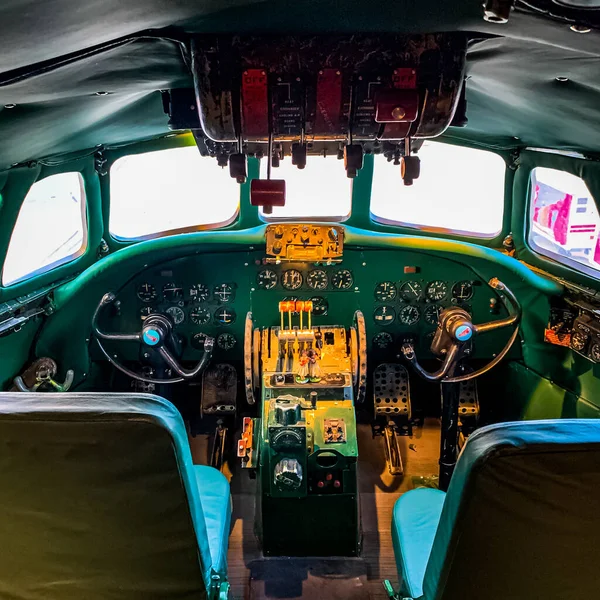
[308,452]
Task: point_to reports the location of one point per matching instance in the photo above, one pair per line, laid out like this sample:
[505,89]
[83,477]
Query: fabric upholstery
[414,523]
[520,519]
[99,499]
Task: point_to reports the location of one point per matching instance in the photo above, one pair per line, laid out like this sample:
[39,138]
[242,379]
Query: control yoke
[453,338]
[156,334]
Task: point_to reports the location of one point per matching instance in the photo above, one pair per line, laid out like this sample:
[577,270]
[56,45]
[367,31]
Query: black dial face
[224,292]
[320,306]
[225,341]
[409,315]
[595,352]
[578,340]
[172,293]
[462,291]
[383,340]
[199,293]
[317,279]
[177,315]
[145,312]
[197,341]
[225,316]
[146,292]
[411,290]
[384,315]
[432,314]
[385,291]
[291,279]
[342,280]
[266,280]
[436,290]
[199,316]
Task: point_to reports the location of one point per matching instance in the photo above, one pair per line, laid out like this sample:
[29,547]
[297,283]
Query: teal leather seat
[520,520]
[99,499]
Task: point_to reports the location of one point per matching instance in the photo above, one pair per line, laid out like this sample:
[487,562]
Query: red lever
[267,193]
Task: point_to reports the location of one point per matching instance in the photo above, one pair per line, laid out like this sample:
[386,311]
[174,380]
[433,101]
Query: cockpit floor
[253,577]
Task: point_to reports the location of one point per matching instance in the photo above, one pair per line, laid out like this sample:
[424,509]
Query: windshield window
[169,191]
[564,222]
[320,190]
[51,228]
[460,190]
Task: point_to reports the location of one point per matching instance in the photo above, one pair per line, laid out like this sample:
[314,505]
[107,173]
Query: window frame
[320,219]
[555,258]
[64,260]
[587,169]
[168,142]
[490,239]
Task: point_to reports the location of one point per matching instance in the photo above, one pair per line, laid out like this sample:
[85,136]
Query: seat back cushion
[95,500]
[521,519]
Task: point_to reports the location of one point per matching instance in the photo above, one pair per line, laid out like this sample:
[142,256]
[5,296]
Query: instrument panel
[400,293]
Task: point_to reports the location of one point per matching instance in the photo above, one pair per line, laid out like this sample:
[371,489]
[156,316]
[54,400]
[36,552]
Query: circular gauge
[432,314]
[385,291]
[199,316]
[172,293]
[342,280]
[436,290]
[462,291]
[145,312]
[383,340]
[411,290]
[384,315]
[199,293]
[224,292]
[146,292]
[198,340]
[409,315]
[225,316]
[317,279]
[267,279]
[320,306]
[578,341]
[291,279]
[176,314]
[225,341]
[595,352]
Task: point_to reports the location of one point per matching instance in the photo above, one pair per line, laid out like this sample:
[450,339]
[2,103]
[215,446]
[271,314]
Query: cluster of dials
[175,298]
[411,292]
[317,279]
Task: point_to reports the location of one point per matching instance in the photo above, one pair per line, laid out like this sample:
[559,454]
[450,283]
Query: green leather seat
[520,520]
[99,499]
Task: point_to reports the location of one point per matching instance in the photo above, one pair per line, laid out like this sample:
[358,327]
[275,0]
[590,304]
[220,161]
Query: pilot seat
[519,520]
[99,499]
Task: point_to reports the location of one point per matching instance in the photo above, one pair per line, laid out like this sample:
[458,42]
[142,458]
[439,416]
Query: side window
[563,220]
[51,228]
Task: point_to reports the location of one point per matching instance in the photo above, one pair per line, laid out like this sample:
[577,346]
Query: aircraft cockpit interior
[300,300]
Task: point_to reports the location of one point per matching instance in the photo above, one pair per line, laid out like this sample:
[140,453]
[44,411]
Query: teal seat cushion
[414,522]
[213,488]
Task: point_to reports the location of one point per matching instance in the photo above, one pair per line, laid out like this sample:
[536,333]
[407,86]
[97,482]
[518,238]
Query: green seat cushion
[414,523]
[213,488]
